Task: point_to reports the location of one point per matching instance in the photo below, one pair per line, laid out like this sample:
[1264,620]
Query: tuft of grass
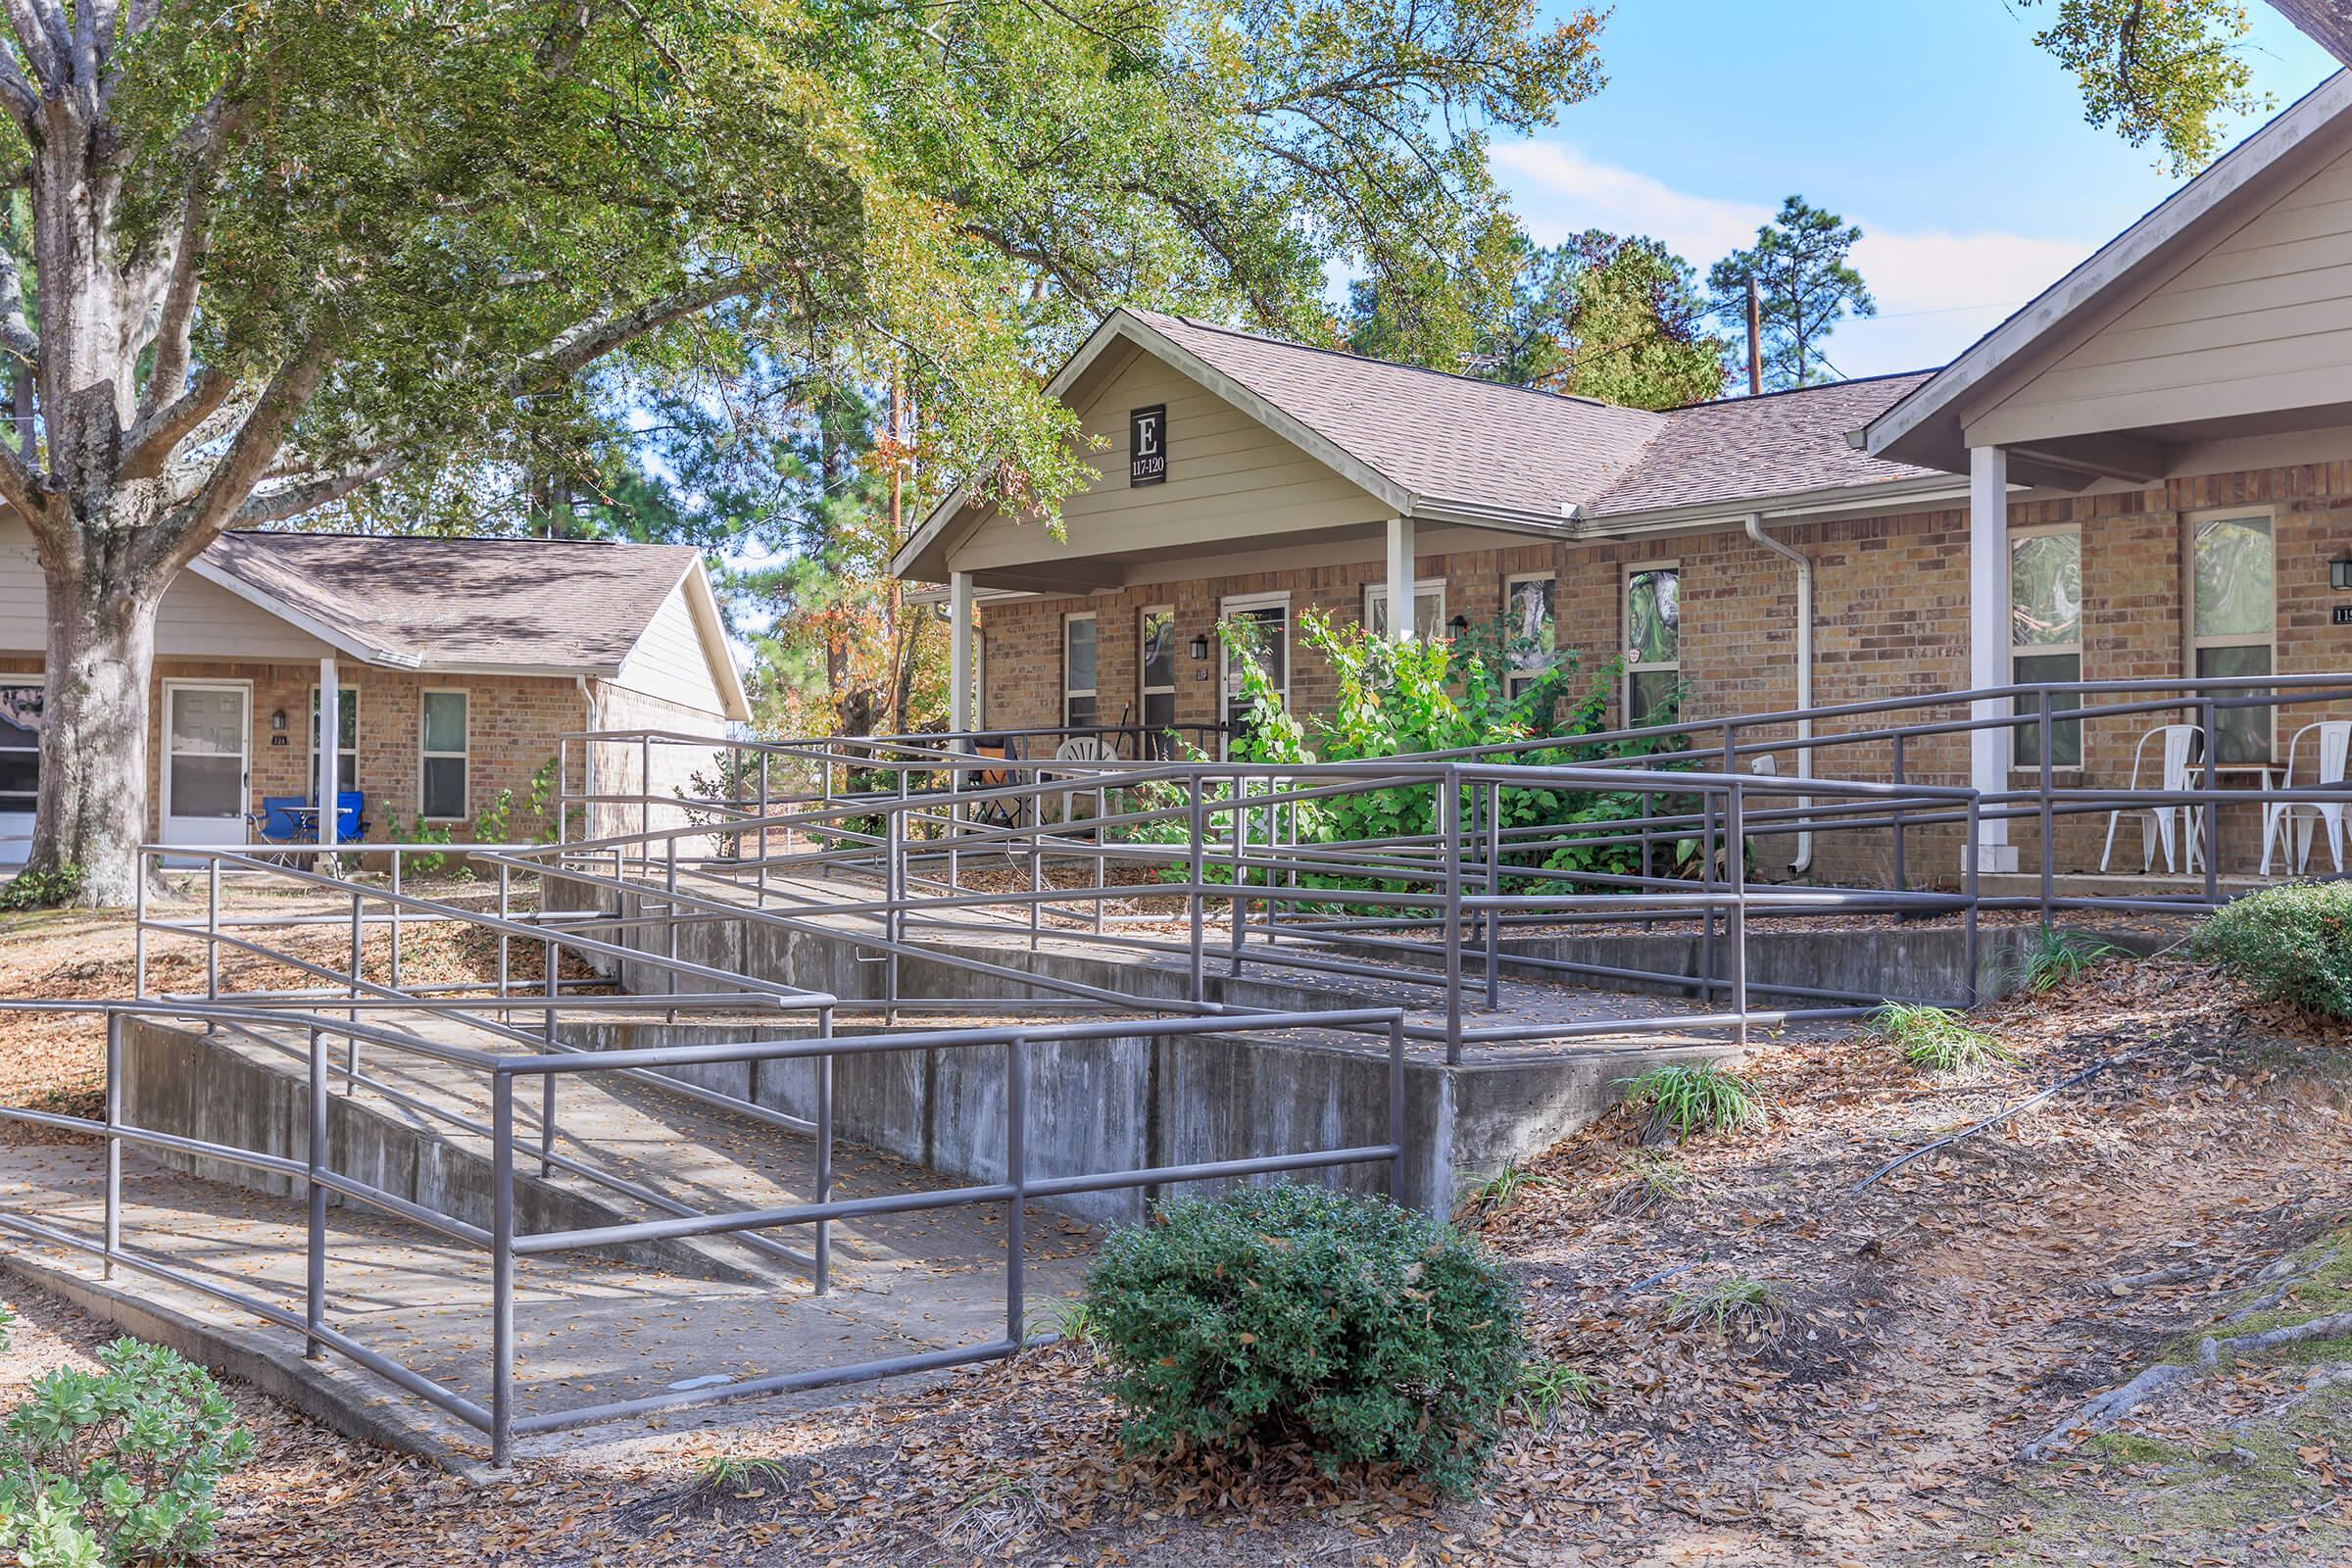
[737,1476]
[2059,957]
[1501,1190]
[1687,1098]
[1072,1322]
[1937,1039]
[1735,1301]
[1547,1388]
[1656,1180]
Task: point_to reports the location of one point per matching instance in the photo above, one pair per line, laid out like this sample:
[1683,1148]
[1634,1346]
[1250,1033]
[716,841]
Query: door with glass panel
[1263,623]
[207,763]
[1156,670]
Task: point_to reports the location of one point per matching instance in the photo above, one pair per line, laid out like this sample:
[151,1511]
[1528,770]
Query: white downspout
[1804,673]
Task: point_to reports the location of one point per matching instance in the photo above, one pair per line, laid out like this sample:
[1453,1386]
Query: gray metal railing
[507,1246]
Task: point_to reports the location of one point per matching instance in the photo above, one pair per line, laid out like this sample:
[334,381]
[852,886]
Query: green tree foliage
[292,252]
[2160,71]
[1618,318]
[1297,1313]
[1807,284]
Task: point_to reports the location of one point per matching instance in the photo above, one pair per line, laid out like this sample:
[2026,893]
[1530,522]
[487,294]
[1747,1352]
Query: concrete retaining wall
[183,1080]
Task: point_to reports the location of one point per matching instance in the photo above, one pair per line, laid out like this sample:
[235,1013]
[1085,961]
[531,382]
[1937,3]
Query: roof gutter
[1803,861]
[1895,495]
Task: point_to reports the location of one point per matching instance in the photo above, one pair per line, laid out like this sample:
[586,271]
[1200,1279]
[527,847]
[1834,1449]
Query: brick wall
[1891,621]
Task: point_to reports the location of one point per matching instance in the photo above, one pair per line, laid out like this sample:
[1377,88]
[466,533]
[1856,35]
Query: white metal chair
[2280,818]
[1081,749]
[2180,746]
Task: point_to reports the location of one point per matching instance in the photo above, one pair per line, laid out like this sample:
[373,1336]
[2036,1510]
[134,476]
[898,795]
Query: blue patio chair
[351,816]
[273,824]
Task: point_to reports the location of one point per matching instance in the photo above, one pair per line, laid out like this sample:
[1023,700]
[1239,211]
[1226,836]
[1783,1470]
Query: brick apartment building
[2145,473]
[457,664]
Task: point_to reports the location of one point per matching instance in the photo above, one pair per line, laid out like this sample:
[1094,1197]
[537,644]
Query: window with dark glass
[346,738]
[441,791]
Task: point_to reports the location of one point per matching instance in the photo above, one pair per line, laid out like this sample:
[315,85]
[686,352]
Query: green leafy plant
[1937,1039]
[540,801]
[116,1466]
[420,831]
[43,887]
[2059,957]
[1685,1098]
[1547,1388]
[8,1323]
[1736,1303]
[2291,944]
[1365,1332]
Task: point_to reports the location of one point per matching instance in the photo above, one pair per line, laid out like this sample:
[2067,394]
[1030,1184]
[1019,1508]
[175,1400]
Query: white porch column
[959,650]
[1401,578]
[1988,640]
[330,731]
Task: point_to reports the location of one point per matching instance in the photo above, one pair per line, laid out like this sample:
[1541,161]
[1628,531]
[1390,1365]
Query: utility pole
[1755,345]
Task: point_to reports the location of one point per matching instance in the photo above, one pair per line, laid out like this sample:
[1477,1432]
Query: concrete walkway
[590,1330]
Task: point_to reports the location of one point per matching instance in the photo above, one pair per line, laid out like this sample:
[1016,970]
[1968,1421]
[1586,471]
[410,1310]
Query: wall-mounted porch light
[1459,626]
[1201,648]
[277,720]
[2339,572]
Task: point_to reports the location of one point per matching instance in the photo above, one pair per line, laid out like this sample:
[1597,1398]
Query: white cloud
[1938,292]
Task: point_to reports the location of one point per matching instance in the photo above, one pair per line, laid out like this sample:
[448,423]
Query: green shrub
[2292,944]
[43,887]
[1298,1314]
[119,1465]
[1937,1038]
[1702,1097]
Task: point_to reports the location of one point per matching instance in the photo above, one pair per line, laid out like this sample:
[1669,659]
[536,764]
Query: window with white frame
[2045,637]
[1654,643]
[22,698]
[1429,608]
[1528,635]
[1155,679]
[442,745]
[2233,620]
[347,739]
[1078,670]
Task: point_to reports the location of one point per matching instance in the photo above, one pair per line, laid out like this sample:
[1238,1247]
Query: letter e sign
[1148,445]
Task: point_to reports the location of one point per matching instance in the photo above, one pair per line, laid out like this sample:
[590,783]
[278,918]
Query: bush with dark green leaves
[1301,1314]
[116,1466]
[2292,944]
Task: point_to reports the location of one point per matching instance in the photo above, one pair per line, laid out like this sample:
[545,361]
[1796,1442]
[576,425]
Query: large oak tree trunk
[95,725]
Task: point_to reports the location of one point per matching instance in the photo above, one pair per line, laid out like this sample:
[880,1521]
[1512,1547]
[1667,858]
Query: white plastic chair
[2180,745]
[2280,818]
[1081,749]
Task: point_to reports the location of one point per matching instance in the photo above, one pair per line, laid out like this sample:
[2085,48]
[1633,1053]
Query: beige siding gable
[1230,478]
[672,661]
[197,619]
[2258,322]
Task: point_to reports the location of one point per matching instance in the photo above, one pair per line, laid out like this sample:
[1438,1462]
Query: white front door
[207,732]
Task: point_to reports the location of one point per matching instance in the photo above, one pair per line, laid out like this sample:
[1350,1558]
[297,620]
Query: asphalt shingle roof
[1455,438]
[551,603]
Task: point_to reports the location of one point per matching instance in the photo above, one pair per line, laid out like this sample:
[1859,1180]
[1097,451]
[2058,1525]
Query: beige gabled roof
[1458,449]
[485,605]
[1446,438]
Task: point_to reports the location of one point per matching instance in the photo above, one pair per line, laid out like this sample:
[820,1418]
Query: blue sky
[1936,125]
